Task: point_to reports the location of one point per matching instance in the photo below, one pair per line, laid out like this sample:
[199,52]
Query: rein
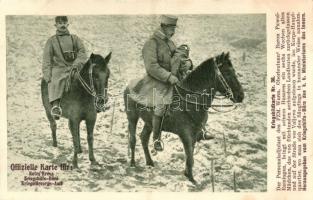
[228,94]
[90,89]
[214,107]
[188,101]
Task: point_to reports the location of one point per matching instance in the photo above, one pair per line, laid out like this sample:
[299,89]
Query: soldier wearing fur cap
[157,85]
[63,51]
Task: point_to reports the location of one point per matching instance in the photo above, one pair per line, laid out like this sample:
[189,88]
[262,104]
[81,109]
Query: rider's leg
[156,124]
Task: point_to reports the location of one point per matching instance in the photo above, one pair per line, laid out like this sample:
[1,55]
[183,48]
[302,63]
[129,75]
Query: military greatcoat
[154,89]
[55,68]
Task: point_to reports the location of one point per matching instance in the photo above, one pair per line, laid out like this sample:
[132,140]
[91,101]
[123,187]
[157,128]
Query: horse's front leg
[188,142]
[74,128]
[79,145]
[145,136]
[90,124]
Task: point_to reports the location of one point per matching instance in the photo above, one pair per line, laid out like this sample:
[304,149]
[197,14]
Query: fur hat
[169,20]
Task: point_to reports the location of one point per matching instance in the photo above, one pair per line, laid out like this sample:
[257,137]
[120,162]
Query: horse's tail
[126,97]
[45,98]
[130,105]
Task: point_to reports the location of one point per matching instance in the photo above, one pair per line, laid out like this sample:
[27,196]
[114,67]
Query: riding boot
[156,124]
[56,111]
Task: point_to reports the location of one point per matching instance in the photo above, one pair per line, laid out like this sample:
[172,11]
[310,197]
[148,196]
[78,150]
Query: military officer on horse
[156,88]
[63,52]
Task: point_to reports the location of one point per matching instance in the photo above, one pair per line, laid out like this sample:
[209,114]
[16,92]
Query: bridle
[90,89]
[228,94]
[228,91]
[192,93]
[218,77]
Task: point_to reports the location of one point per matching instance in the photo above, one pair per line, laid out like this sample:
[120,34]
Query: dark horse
[87,95]
[188,113]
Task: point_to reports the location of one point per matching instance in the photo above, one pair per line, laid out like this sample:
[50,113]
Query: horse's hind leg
[132,116]
[53,127]
[90,123]
[145,136]
[132,124]
[79,146]
[74,126]
[46,104]
[188,143]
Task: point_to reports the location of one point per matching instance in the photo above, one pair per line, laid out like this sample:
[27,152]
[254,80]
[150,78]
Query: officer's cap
[169,20]
[61,19]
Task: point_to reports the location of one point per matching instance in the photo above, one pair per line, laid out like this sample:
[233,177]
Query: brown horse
[87,96]
[188,113]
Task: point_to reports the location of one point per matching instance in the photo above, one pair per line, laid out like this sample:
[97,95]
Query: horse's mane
[201,75]
[96,58]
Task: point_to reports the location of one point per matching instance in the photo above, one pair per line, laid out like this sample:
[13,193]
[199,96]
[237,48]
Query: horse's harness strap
[186,100]
[187,90]
[92,87]
[89,88]
[229,92]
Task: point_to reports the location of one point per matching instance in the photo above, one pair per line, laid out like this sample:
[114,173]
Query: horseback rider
[62,53]
[156,88]
[157,53]
[163,63]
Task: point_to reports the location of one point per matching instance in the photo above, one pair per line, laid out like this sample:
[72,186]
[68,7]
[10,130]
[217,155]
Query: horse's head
[100,76]
[227,82]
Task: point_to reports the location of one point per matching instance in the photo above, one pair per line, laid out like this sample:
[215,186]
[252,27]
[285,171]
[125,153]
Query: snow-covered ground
[29,137]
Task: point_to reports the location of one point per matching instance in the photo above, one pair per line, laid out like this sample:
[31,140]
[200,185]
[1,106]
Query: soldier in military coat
[156,88]
[63,51]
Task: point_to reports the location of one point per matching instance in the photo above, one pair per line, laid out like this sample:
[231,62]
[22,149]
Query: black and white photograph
[136,103]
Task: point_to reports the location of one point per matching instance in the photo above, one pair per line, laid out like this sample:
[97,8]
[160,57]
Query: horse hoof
[150,164]
[132,164]
[191,179]
[186,174]
[75,165]
[54,144]
[194,182]
[94,162]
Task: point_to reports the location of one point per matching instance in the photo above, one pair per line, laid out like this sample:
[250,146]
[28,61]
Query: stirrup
[53,109]
[161,143]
